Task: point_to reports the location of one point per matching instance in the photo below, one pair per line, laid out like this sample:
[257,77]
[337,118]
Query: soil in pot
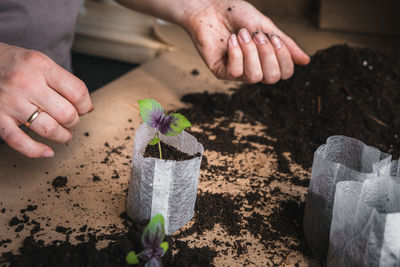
[168,153]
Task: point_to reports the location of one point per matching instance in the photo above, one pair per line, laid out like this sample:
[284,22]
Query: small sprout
[153,115]
[152,241]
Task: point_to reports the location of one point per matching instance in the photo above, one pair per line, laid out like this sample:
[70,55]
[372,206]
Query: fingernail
[276,41]
[244,36]
[48,154]
[260,38]
[233,40]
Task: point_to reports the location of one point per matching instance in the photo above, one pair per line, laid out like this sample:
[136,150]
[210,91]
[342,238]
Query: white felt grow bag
[340,159]
[164,186]
[365,229]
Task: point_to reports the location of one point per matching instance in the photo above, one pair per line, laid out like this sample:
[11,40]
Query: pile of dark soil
[349,91]
[168,153]
[343,91]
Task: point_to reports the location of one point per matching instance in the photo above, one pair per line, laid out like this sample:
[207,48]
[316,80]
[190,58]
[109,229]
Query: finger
[57,107]
[269,62]
[70,87]
[44,125]
[20,141]
[252,71]
[297,54]
[235,58]
[284,58]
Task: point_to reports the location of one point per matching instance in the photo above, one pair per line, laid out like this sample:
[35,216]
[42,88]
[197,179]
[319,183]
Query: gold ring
[32,117]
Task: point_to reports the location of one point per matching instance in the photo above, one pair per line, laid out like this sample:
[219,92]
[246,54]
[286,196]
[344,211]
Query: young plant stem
[159,145]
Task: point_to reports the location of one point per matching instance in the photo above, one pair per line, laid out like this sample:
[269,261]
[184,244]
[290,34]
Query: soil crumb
[59,181]
[195,72]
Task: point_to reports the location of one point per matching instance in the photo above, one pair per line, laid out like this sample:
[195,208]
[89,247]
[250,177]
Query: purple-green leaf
[154,233]
[151,112]
[164,123]
[178,124]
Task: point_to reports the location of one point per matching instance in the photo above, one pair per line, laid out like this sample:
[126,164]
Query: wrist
[180,12]
[188,10]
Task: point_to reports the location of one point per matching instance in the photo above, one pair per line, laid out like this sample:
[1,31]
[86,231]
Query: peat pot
[164,186]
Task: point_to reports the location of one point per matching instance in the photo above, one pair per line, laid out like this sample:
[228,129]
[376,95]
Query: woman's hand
[237,42]
[30,80]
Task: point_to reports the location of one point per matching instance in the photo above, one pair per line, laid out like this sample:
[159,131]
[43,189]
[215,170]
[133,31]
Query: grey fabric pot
[164,186]
[365,228]
[340,159]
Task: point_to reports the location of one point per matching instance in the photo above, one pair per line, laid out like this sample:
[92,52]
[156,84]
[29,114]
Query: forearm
[176,11]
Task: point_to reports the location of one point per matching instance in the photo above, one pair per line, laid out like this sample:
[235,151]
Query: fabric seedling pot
[164,186]
[365,228]
[340,159]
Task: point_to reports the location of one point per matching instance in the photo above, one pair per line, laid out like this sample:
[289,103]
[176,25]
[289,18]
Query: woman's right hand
[30,80]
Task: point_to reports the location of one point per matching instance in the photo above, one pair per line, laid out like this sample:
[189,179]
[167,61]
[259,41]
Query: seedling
[153,115]
[153,246]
